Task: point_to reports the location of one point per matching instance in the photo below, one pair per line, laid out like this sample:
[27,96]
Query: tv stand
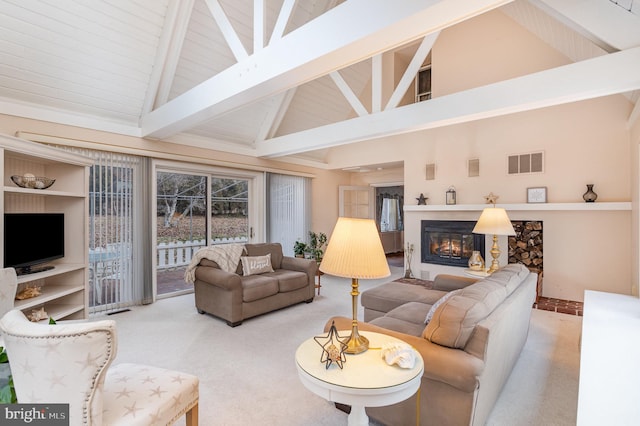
[64,289]
[33,269]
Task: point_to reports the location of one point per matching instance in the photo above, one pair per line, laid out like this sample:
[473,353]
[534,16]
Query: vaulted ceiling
[276,78]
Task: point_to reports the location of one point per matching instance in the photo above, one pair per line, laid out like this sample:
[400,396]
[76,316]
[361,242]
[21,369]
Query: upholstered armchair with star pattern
[71,363]
[8,287]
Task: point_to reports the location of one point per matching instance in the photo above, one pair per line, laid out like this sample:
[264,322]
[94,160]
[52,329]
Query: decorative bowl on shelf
[34,182]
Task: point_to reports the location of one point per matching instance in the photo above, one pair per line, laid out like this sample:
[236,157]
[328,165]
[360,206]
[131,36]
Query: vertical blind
[115,181]
[288,210]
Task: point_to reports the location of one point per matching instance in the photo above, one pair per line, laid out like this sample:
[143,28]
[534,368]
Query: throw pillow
[252,265]
[438,303]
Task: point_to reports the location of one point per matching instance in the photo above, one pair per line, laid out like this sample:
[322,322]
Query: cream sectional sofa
[469,347]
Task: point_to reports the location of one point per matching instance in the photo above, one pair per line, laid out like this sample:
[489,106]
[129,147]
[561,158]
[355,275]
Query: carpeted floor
[248,376]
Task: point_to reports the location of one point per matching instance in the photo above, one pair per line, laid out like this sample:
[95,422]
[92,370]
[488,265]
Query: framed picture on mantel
[537,194]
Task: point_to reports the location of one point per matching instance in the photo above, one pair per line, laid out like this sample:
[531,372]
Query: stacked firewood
[526,246]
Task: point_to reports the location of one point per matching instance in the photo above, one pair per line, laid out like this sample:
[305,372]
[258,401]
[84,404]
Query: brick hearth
[558,305]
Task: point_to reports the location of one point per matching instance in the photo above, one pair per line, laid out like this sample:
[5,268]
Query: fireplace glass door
[449,245]
[449,242]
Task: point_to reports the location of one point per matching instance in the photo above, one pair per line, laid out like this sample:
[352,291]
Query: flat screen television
[32,239]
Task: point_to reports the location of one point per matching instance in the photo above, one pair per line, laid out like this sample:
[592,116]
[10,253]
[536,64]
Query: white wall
[583,142]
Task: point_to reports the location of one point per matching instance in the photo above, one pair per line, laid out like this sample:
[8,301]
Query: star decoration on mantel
[332,347]
[491,198]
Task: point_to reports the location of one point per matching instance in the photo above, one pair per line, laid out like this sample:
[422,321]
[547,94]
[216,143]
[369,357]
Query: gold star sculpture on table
[491,198]
[332,347]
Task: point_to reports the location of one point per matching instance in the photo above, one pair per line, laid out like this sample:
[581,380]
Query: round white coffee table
[366,380]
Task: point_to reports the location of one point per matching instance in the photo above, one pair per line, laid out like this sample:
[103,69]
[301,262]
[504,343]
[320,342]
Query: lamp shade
[355,250]
[494,221]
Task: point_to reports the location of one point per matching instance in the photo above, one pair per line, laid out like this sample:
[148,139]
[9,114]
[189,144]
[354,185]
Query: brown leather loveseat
[237,296]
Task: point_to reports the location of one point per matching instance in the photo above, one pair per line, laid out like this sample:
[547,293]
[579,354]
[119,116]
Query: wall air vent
[473,167]
[431,171]
[525,163]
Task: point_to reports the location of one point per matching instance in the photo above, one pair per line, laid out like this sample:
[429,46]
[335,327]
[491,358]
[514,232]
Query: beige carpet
[248,376]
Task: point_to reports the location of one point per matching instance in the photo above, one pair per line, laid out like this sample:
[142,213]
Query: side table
[366,380]
[319,274]
[477,274]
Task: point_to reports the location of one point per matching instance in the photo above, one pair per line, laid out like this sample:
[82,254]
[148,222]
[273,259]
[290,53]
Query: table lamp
[494,221]
[355,251]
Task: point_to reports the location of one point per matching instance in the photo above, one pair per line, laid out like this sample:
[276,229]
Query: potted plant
[317,242]
[299,248]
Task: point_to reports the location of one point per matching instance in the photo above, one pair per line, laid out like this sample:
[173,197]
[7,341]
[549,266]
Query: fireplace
[449,242]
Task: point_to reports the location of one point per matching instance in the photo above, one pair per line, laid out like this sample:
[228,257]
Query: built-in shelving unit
[64,292]
[597,206]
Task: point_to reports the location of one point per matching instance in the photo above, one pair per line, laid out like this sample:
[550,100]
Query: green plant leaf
[7,395]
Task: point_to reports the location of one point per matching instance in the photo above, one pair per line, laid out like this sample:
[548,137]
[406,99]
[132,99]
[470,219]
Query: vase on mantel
[589,196]
[476,263]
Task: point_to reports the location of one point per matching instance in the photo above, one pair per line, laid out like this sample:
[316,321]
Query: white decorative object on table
[399,353]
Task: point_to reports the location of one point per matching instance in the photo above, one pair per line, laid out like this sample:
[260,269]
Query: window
[288,210]
[423,84]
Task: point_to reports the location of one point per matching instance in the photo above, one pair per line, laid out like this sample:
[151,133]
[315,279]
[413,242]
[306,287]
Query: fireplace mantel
[602,206]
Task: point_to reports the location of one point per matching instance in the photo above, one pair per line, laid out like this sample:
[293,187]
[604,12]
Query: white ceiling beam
[275,114]
[376,83]
[599,20]
[283,19]
[412,70]
[229,34]
[164,46]
[259,24]
[602,76]
[282,111]
[634,116]
[351,97]
[308,53]
[171,42]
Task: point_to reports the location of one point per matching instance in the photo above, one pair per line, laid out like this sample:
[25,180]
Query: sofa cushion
[510,276]
[446,282]
[454,320]
[410,312]
[256,287]
[398,325]
[252,265]
[405,319]
[438,303]
[261,249]
[290,280]
[388,296]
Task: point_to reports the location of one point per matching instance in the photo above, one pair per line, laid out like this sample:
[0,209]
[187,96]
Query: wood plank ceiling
[278,78]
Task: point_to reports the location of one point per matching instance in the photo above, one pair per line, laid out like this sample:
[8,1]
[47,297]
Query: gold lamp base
[356,344]
[495,254]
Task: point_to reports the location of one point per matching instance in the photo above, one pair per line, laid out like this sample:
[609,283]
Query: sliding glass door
[195,209]
[181,227]
[229,210]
